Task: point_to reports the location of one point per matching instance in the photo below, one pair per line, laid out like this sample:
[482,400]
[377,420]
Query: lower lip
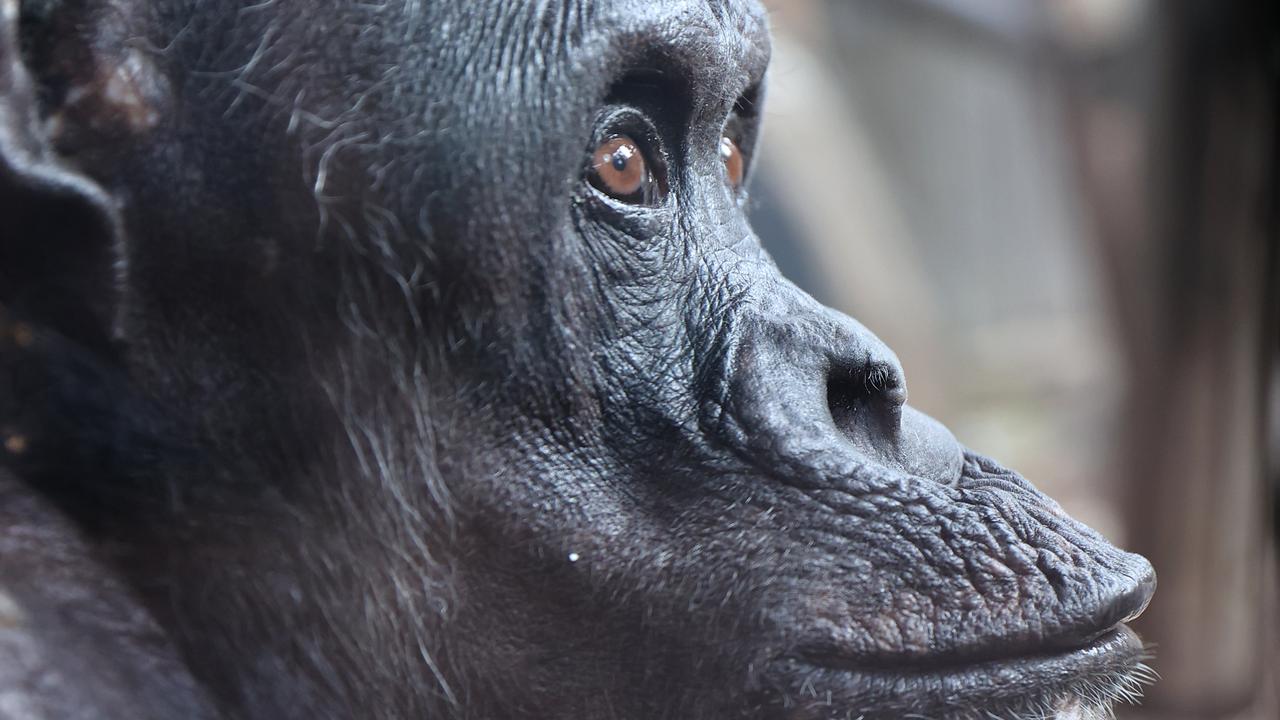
[946,689]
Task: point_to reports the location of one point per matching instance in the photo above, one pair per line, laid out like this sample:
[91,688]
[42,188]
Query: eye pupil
[619,161]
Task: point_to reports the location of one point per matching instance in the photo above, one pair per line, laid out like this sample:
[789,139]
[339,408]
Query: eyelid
[627,120]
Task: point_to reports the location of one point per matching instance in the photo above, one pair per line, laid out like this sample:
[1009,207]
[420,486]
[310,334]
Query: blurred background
[1063,216]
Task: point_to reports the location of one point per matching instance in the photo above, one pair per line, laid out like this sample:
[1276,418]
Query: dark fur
[332,376]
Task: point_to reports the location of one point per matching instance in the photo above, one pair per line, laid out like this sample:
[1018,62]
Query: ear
[60,260]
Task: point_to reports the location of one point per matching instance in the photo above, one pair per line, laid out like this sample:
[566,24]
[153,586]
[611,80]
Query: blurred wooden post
[1176,135]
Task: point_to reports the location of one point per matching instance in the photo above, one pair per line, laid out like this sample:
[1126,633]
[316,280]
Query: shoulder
[74,643]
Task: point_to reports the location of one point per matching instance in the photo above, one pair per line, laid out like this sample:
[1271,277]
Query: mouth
[1071,682]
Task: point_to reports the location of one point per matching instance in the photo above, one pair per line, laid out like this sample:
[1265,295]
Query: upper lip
[1103,670]
[991,654]
[1119,605]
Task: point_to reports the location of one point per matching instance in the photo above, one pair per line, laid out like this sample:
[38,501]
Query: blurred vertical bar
[1174,120]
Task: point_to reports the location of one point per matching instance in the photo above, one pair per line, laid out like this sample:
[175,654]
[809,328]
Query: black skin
[335,388]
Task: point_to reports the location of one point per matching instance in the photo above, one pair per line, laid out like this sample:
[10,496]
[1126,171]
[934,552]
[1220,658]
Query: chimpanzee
[414,359]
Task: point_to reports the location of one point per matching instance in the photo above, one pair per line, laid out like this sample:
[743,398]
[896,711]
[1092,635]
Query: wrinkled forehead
[708,40]
[557,48]
[406,99]
[392,54]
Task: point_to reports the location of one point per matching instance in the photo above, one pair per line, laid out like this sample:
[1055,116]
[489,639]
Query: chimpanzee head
[448,379]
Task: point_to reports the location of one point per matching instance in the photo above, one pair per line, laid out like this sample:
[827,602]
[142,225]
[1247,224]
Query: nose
[867,405]
[815,383]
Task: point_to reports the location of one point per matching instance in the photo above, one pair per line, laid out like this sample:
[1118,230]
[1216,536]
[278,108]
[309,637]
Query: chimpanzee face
[486,402]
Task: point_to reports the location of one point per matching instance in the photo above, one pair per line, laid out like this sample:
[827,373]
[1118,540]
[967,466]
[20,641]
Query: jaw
[1078,683]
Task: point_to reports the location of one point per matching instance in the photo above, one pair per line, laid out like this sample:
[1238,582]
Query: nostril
[867,397]
[868,407]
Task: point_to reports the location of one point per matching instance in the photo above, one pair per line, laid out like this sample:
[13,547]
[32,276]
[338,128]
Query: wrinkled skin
[335,373]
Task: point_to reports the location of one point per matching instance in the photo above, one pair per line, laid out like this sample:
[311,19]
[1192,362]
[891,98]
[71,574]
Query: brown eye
[732,158]
[618,169]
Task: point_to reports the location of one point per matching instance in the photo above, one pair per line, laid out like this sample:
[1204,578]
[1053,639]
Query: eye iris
[618,169]
[732,158]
